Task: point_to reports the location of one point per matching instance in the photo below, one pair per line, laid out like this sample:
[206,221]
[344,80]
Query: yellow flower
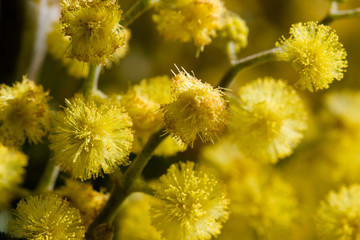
[12,163]
[316,53]
[91,136]
[338,216]
[197,109]
[187,20]
[233,33]
[83,197]
[268,119]
[24,113]
[192,204]
[94,29]
[46,217]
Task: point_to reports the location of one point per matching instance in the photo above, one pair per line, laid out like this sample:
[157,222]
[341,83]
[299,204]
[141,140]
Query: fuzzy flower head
[83,197]
[91,136]
[233,35]
[197,109]
[192,204]
[12,163]
[268,119]
[187,20]
[24,113]
[316,53]
[338,217]
[93,26]
[46,217]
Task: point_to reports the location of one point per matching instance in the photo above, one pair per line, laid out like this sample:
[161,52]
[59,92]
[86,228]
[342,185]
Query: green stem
[136,11]
[335,14]
[91,83]
[48,179]
[123,189]
[262,57]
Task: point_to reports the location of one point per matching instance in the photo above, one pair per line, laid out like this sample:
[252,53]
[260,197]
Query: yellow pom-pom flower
[91,136]
[187,20]
[233,33]
[192,204]
[316,53]
[24,113]
[93,26]
[46,217]
[83,197]
[338,216]
[12,163]
[268,119]
[197,109]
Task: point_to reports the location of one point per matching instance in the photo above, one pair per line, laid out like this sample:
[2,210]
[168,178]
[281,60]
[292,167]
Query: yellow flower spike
[91,136]
[268,119]
[12,163]
[192,204]
[187,20]
[24,113]
[83,197]
[197,109]
[338,216]
[46,217]
[94,29]
[316,53]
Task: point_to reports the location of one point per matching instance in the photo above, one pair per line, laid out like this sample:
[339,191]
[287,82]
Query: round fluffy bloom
[187,20]
[197,109]
[316,53]
[24,113]
[83,197]
[192,204]
[93,26]
[12,163]
[268,119]
[91,136]
[338,216]
[46,217]
[233,33]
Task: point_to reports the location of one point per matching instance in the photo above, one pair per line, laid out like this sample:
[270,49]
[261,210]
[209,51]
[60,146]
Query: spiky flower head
[192,204]
[316,53]
[46,217]
[268,119]
[93,26]
[12,163]
[196,109]
[142,102]
[83,197]
[338,216]
[187,20]
[24,113]
[91,136]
